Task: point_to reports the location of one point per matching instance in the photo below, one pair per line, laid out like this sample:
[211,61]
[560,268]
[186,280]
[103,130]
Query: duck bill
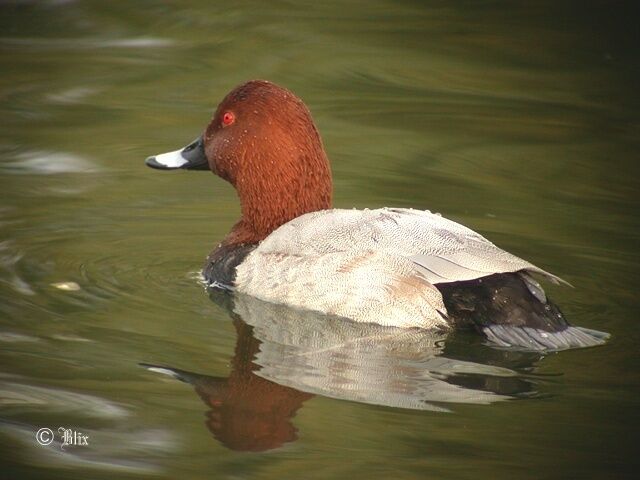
[191,157]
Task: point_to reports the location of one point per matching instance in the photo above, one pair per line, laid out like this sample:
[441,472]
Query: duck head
[264,142]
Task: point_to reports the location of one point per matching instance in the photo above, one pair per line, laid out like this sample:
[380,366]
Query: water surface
[519,120]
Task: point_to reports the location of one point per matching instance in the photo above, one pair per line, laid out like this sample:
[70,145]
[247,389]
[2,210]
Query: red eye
[228,118]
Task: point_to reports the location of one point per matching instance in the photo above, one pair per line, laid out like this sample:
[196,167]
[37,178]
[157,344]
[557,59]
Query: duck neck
[272,198]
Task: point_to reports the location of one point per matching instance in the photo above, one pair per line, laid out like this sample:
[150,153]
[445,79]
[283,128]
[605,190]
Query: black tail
[511,310]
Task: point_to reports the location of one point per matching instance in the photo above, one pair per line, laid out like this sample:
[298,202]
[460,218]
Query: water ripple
[84,43]
[42,162]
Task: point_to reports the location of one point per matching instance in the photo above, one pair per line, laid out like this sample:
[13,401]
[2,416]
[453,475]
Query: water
[520,121]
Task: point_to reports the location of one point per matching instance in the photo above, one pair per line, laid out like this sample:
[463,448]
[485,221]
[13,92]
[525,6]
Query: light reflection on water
[519,122]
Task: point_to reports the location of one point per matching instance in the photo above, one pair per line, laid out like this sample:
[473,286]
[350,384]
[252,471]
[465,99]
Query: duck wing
[442,250]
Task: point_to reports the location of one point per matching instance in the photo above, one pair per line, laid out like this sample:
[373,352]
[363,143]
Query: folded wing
[443,251]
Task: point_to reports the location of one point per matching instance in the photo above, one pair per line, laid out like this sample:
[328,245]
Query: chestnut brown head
[263,141]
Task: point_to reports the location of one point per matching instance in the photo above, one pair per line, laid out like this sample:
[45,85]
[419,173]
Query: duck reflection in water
[246,412]
[283,357]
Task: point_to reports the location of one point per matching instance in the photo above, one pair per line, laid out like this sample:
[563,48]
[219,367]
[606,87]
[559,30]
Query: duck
[396,267]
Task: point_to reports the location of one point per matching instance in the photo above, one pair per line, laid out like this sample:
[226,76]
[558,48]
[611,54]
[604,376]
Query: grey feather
[528,338]
[448,251]
[375,287]
[346,261]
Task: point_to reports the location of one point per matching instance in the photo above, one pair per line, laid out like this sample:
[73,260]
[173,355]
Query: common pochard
[391,266]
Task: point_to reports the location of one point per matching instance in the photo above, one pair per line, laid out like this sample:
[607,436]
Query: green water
[518,119]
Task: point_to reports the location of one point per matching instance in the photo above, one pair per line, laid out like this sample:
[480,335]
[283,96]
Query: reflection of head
[248,413]
[252,427]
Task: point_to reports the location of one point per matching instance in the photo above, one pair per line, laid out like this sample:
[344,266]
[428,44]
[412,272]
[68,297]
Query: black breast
[220,269]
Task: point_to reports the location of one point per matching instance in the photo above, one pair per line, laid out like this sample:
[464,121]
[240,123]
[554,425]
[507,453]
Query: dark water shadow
[284,357]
